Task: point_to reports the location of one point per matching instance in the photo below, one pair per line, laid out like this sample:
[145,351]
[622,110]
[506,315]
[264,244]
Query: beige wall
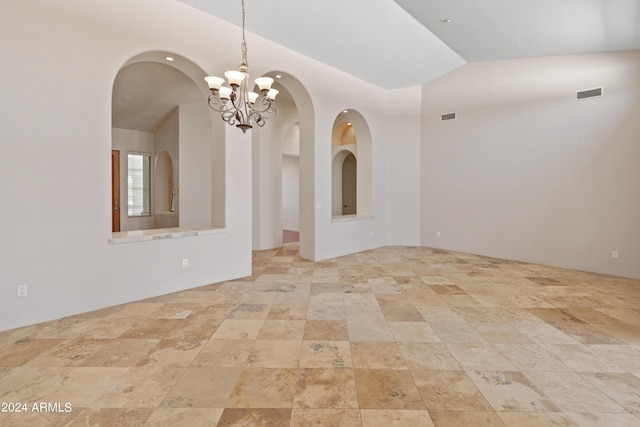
[526,171]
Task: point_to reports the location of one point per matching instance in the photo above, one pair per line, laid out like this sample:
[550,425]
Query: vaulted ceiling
[393,44]
[402,43]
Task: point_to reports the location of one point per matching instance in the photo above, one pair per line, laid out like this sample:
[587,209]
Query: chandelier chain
[244,40]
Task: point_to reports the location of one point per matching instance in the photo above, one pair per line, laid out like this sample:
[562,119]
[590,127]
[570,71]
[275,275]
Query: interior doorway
[349,185]
[115,190]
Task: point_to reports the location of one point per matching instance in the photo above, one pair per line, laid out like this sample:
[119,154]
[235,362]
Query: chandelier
[237,105]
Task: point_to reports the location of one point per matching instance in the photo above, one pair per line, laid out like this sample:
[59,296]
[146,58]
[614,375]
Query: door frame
[115,190]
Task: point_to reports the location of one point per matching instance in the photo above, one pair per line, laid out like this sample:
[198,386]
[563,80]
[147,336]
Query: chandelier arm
[266,104]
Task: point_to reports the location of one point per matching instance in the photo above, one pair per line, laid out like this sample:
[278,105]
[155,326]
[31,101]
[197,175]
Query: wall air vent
[449,116]
[589,93]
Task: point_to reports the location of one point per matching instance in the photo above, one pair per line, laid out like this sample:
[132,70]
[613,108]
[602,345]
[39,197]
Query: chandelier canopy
[237,105]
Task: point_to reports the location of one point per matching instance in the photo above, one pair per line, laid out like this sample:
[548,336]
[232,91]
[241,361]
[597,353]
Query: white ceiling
[403,43]
[392,44]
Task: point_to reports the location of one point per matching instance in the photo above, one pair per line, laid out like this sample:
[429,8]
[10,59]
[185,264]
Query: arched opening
[291,184]
[159,111]
[295,111]
[351,166]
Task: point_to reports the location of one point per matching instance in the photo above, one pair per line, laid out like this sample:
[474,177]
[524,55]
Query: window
[138,184]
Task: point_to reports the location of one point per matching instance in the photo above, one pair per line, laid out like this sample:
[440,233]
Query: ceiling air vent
[449,116]
[589,93]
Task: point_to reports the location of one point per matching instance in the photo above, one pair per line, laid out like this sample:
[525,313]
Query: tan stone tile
[326,312]
[120,352]
[395,312]
[224,353]
[136,309]
[377,355]
[449,391]
[287,312]
[192,417]
[20,352]
[436,280]
[174,353]
[530,357]
[140,388]
[258,298]
[175,311]
[627,357]
[500,333]
[413,332]
[543,333]
[325,354]
[536,419]
[250,311]
[274,354]
[265,388]
[297,297]
[510,391]
[428,356]
[82,387]
[369,328]
[149,328]
[110,327]
[600,419]
[479,357]
[71,352]
[395,418]
[624,388]
[326,388]
[439,314]
[282,330]
[238,329]
[326,299]
[326,418]
[326,330]
[202,388]
[111,417]
[198,326]
[581,358]
[387,389]
[263,417]
[572,393]
[29,383]
[466,418]
[456,332]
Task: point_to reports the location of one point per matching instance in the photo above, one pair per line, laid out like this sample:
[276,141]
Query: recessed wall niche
[351,166]
[160,107]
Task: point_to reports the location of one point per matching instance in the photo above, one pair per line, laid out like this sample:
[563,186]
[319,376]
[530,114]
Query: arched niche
[166,211]
[159,103]
[267,168]
[351,142]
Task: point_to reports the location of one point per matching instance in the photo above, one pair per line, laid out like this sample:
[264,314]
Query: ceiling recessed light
[447,21]
[169,58]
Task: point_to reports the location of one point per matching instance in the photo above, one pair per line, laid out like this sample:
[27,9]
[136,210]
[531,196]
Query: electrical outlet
[615,254]
[22,291]
[185,262]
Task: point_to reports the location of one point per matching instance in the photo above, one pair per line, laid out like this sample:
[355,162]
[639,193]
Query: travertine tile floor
[389,337]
